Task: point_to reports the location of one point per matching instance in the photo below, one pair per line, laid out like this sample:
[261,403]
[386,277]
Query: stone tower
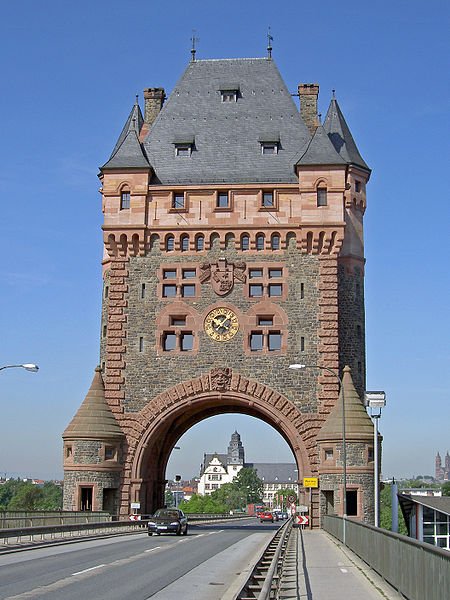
[235,450]
[233,247]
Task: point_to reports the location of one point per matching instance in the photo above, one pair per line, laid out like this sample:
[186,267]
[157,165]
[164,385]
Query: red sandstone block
[115,281]
[121,288]
[328,293]
[117,318]
[118,303]
[114,394]
[110,380]
[120,273]
[113,372]
[113,335]
[115,310]
[115,326]
[115,296]
[111,387]
[116,349]
[114,362]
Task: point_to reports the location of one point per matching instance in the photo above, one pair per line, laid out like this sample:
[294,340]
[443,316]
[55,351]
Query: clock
[221,324]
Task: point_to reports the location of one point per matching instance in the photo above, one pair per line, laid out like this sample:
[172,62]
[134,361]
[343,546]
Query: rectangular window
[262,321]
[357,186]
[104,330]
[256,341]
[141,344]
[183,150]
[110,452]
[189,273]
[302,344]
[370,454]
[273,273]
[267,199]
[255,290]
[178,201]
[321,196]
[188,290]
[274,341]
[142,290]
[267,148]
[255,273]
[302,290]
[223,200]
[124,200]
[275,289]
[172,274]
[106,291]
[328,454]
[228,95]
[178,321]
[169,291]
[85,498]
[352,503]
[186,341]
[169,341]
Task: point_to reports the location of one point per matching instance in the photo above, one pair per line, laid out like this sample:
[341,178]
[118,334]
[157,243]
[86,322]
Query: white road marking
[86,570]
[343,570]
[151,549]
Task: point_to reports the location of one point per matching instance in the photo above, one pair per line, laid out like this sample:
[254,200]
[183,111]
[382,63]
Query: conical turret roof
[358,424]
[319,151]
[339,133]
[94,419]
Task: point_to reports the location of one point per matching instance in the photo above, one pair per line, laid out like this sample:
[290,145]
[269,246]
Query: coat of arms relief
[222,275]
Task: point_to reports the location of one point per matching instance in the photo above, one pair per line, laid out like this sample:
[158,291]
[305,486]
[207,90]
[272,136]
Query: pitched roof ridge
[130,153]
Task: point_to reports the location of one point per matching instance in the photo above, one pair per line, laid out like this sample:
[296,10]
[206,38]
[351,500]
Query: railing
[17,535]
[29,518]
[415,569]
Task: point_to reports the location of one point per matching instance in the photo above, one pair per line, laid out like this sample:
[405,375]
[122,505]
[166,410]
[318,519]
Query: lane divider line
[151,549]
[87,570]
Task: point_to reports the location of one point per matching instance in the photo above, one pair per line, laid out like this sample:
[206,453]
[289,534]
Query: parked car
[266,516]
[168,520]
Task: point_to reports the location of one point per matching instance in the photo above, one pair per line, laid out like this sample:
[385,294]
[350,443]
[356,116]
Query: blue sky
[70,72]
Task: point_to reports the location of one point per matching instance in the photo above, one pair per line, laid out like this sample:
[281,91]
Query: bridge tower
[233,247]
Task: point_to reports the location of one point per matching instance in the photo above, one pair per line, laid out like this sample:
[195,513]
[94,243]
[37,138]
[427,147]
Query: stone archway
[153,432]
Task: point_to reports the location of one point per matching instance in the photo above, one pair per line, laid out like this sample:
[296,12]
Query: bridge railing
[415,569]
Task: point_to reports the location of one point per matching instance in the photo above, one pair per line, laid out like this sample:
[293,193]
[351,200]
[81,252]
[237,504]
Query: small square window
[256,341]
[328,454]
[189,273]
[223,200]
[186,342]
[268,148]
[275,289]
[169,341]
[124,200]
[273,273]
[264,321]
[357,186]
[255,273]
[172,274]
[267,199]
[255,290]
[178,321]
[274,341]
[229,95]
[110,453]
[169,291]
[178,201]
[321,196]
[188,290]
[183,150]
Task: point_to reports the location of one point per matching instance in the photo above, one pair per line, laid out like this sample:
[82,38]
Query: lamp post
[376,401]
[27,366]
[344,445]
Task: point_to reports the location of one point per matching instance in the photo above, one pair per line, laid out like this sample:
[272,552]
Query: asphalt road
[202,565]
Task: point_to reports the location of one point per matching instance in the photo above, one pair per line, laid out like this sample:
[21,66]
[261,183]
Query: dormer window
[229,92]
[270,143]
[184,145]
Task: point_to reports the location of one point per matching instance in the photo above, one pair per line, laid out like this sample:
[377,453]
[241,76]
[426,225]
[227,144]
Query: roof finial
[334,94]
[194,40]
[269,44]
[137,100]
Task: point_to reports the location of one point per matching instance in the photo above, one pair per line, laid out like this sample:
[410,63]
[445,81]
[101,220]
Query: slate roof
[339,133]
[275,472]
[440,503]
[128,151]
[320,151]
[227,134]
[94,419]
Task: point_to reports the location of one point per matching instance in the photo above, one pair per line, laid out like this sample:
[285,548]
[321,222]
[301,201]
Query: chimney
[154,99]
[308,93]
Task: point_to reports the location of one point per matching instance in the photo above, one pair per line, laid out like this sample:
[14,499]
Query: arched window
[124,198]
[184,243]
[245,242]
[200,243]
[170,243]
[260,241]
[275,241]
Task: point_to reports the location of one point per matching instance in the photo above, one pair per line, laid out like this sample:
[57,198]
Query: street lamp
[376,401]
[344,446]
[27,366]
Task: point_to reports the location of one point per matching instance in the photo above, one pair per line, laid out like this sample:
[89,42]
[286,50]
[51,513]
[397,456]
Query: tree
[446,488]
[386,511]
[249,484]
[283,495]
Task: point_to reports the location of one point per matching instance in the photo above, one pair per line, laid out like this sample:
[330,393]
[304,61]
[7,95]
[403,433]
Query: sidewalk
[332,571]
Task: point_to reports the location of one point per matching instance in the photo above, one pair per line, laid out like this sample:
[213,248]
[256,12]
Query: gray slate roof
[128,150]
[275,472]
[339,133]
[319,151]
[227,134]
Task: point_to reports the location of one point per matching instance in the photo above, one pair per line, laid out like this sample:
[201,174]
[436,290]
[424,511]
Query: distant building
[427,518]
[442,473]
[218,469]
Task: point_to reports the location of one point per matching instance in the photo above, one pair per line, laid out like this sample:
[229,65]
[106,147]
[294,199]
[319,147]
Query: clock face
[221,324]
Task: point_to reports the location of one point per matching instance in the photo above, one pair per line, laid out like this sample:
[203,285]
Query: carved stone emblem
[222,275]
[220,379]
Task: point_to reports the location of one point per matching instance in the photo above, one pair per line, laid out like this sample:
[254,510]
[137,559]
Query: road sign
[301,520]
[302,508]
[135,505]
[291,498]
[310,482]
[135,517]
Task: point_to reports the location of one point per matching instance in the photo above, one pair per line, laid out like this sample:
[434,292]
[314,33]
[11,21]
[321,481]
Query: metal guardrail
[29,518]
[44,533]
[415,569]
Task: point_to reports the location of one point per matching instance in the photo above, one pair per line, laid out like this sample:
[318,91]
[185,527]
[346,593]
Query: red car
[266,516]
